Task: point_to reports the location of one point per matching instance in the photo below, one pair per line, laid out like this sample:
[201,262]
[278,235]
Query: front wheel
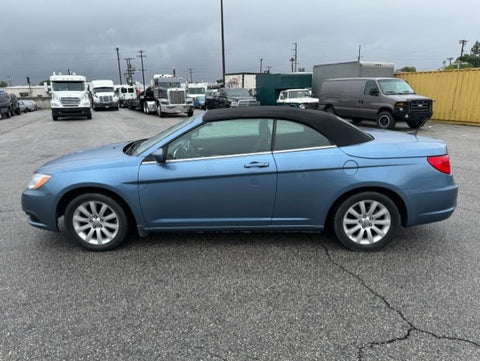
[416,123]
[366,221]
[190,113]
[96,222]
[330,110]
[385,120]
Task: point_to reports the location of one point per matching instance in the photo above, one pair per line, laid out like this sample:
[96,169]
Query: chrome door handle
[257,165]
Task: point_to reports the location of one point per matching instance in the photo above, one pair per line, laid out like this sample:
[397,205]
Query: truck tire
[416,123]
[330,110]
[385,120]
[190,113]
[89,115]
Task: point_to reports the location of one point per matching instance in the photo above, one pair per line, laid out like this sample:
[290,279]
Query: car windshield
[299,94]
[238,92]
[196,90]
[68,85]
[103,89]
[156,138]
[169,84]
[395,86]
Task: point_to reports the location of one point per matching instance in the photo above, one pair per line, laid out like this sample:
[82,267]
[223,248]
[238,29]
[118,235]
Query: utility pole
[130,71]
[223,43]
[119,69]
[294,62]
[463,42]
[359,52]
[449,61]
[190,75]
[141,56]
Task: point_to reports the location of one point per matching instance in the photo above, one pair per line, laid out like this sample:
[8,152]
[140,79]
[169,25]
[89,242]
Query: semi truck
[171,96]
[69,96]
[103,94]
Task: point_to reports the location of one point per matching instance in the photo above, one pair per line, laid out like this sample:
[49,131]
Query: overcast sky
[43,36]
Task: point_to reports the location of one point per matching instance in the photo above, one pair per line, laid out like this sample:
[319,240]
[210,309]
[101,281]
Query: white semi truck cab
[69,96]
[103,94]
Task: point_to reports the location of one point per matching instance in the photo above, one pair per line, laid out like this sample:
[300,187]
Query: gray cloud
[40,37]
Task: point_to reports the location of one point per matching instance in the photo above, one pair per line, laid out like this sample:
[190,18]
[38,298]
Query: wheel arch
[395,197]
[385,109]
[70,195]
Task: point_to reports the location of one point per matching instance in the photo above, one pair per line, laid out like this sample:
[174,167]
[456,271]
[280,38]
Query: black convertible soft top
[339,131]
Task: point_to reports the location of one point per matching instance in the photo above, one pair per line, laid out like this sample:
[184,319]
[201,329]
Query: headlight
[38,180]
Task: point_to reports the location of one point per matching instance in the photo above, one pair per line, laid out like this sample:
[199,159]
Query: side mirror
[159,155]
[374,92]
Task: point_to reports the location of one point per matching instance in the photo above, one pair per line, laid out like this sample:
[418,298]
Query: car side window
[223,138]
[292,135]
[369,86]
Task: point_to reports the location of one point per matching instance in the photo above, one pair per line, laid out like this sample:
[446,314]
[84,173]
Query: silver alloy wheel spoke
[367,222]
[96,222]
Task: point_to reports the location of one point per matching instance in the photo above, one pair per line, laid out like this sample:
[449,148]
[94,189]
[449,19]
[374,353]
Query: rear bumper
[432,206]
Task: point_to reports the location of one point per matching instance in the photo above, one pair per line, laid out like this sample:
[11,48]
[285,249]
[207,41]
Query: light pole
[261,60]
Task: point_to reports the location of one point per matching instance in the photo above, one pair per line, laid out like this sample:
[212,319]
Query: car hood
[300,100]
[395,144]
[107,156]
[406,97]
[237,98]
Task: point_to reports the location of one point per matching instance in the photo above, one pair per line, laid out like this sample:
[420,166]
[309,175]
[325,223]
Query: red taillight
[441,163]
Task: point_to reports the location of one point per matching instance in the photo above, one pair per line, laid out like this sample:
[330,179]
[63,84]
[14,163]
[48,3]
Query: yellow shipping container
[456,93]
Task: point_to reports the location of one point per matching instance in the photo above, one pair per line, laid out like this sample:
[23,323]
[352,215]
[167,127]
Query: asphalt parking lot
[234,296]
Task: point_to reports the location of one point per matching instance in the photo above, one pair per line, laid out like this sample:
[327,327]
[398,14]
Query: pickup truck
[298,98]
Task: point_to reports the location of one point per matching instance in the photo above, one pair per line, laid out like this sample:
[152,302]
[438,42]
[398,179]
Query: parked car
[30,104]
[22,106]
[5,103]
[14,107]
[259,168]
[384,100]
[231,98]
[211,98]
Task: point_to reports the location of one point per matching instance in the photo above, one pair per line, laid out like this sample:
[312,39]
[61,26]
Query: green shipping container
[269,86]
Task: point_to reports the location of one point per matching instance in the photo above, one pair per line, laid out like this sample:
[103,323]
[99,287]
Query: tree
[3,84]
[407,69]
[475,49]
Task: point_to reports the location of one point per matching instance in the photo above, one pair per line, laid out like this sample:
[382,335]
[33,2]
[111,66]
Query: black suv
[8,105]
[5,105]
[14,106]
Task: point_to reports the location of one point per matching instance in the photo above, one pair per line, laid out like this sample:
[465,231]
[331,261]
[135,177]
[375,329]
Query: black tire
[89,115]
[366,221]
[330,110]
[385,120]
[96,222]
[416,123]
[190,113]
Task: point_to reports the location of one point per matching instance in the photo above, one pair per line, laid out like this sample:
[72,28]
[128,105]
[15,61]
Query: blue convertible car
[258,168]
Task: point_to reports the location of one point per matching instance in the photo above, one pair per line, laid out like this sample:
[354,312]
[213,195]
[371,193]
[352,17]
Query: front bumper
[39,207]
[174,109]
[59,112]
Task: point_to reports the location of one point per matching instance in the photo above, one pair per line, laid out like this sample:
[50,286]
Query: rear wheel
[96,222]
[385,120]
[366,221]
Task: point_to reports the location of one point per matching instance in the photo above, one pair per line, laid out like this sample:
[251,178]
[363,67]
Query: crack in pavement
[412,327]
